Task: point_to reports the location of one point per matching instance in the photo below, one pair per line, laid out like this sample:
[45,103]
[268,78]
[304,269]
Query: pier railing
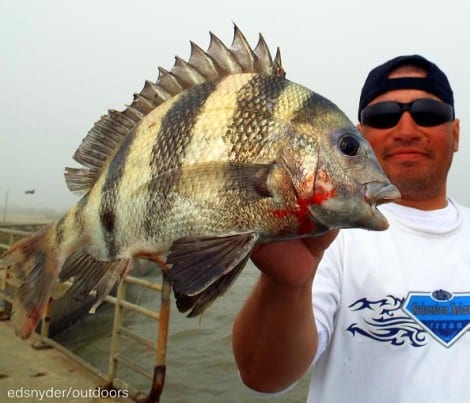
[12,233]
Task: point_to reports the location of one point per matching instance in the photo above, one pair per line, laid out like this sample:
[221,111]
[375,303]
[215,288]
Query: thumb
[317,245]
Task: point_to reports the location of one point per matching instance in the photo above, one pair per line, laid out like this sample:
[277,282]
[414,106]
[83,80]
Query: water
[200,363]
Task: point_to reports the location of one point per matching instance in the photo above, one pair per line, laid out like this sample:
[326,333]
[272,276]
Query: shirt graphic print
[440,314]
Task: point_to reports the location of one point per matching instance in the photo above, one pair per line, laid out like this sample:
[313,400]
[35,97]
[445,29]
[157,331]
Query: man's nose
[406,126]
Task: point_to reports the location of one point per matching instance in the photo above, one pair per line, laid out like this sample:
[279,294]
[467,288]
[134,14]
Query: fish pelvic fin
[91,277]
[34,262]
[202,269]
[198,303]
[202,66]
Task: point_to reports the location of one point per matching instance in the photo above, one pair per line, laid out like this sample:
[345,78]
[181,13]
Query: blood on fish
[302,213]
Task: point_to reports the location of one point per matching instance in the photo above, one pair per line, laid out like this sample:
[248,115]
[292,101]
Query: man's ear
[455,133]
[360,128]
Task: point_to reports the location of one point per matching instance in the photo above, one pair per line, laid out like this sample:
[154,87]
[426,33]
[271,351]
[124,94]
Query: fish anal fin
[206,266]
[91,277]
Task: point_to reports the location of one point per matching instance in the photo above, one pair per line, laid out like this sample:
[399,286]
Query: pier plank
[46,373]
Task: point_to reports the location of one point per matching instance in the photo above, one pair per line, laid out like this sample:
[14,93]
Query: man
[390,309]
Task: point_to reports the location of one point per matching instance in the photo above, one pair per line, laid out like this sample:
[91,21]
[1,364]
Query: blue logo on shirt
[444,315]
[441,314]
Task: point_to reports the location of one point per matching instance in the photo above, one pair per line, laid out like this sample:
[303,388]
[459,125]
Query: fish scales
[208,126]
[138,161]
[210,136]
[246,119]
[136,181]
[170,148]
[220,153]
[151,155]
[123,178]
[111,191]
[251,128]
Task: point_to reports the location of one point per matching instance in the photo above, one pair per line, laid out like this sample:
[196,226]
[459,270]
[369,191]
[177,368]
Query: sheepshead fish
[220,153]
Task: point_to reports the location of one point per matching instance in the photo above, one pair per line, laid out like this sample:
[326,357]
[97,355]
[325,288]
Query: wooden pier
[47,375]
[41,369]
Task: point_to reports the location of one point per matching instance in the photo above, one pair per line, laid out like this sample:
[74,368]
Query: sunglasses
[425,112]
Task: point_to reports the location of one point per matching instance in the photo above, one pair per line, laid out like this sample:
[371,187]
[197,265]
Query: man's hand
[293,262]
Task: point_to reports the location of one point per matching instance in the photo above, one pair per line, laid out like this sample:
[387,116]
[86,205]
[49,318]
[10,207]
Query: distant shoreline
[27,218]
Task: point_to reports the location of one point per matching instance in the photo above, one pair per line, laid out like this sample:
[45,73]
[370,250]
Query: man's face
[415,158]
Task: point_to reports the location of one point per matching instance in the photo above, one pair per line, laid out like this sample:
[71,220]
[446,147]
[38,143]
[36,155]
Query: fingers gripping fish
[220,153]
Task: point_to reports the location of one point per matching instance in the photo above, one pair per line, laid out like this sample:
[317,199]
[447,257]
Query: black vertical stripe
[169,149]
[110,193]
[251,123]
[176,128]
[312,107]
[59,230]
[81,205]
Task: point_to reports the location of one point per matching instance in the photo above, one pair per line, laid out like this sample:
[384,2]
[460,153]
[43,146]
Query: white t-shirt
[393,310]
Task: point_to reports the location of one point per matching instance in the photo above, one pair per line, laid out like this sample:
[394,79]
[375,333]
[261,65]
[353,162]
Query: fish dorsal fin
[202,66]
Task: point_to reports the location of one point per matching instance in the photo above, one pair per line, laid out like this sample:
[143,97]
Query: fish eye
[349,145]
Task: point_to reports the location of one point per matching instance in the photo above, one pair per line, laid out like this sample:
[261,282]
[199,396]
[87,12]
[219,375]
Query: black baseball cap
[377,82]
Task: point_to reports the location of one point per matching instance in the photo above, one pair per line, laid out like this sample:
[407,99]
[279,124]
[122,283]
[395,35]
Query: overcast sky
[65,63]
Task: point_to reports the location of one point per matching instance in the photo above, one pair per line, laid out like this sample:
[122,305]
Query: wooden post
[162,341]
[118,318]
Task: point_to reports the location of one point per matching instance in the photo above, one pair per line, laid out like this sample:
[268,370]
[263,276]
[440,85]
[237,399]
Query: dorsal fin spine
[222,56]
[142,104]
[169,82]
[203,63]
[154,93]
[242,52]
[202,66]
[186,74]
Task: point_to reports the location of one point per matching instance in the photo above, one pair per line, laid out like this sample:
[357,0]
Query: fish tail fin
[34,262]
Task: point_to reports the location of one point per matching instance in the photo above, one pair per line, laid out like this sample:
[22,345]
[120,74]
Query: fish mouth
[359,211]
[377,193]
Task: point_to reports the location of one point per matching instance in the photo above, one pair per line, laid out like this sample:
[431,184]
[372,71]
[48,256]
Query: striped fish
[220,153]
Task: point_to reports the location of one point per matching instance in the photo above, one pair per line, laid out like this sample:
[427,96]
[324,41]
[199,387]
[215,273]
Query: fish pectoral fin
[213,178]
[203,268]
[249,178]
